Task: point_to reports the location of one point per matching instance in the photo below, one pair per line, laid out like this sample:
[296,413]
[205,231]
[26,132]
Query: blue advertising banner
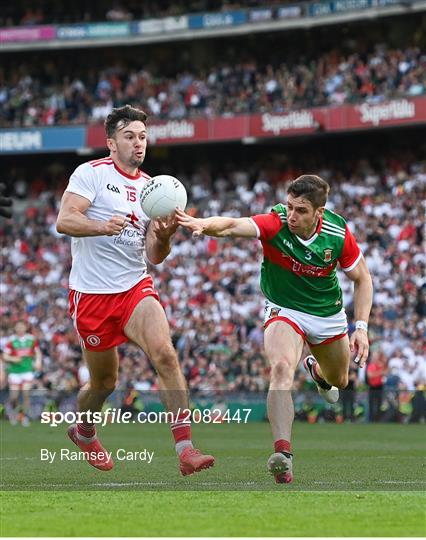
[261,15]
[73,31]
[218,20]
[157,26]
[316,9]
[289,12]
[320,8]
[53,139]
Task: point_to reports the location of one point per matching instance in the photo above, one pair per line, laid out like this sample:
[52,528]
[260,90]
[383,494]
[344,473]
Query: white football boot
[280,464]
[328,392]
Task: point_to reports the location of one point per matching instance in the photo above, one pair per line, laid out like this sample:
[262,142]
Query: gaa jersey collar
[312,239]
[126,175]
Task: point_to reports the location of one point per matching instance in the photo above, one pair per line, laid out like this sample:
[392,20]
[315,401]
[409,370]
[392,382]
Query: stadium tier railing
[201,25]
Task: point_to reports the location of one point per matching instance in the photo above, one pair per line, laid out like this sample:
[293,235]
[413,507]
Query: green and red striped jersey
[301,274]
[24,348]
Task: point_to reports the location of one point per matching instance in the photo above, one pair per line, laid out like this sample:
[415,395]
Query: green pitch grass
[350,480]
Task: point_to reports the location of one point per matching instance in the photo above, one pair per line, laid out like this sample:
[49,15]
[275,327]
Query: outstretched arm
[363,298]
[217,226]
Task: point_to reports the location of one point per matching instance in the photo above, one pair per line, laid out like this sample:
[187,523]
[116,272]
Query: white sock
[84,439]
[181,445]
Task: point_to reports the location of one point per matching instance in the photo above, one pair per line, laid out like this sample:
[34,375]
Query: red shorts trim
[100,319]
[328,340]
[295,327]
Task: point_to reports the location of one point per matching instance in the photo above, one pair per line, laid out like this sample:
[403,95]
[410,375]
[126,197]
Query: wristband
[361,325]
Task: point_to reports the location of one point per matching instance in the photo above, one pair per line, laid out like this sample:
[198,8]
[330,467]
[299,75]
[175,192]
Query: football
[161,195]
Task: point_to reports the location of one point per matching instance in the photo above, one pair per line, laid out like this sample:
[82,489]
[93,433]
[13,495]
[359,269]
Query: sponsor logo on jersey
[287,243]
[112,188]
[328,254]
[93,340]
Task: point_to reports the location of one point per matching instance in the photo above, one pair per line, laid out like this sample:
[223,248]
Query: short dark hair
[121,117]
[311,187]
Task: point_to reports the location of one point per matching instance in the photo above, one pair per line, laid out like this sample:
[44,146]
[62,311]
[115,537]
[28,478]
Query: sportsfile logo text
[117,416]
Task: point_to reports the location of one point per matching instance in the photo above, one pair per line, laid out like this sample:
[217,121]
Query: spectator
[349,393]
[375,374]
[418,403]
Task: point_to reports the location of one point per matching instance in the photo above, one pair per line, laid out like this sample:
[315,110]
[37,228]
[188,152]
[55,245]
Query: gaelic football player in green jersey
[23,356]
[302,244]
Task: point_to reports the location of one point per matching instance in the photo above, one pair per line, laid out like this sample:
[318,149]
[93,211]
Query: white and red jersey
[109,264]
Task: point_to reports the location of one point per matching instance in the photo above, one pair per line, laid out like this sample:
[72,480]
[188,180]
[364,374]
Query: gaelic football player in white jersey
[112,297]
[302,245]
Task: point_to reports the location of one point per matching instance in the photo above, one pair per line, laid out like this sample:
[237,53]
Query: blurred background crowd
[30,12]
[58,92]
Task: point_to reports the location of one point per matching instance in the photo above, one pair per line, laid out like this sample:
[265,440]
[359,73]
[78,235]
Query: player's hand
[195,225]
[164,228]
[359,344]
[5,203]
[115,225]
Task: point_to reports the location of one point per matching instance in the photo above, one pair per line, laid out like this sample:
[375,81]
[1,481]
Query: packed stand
[27,13]
[210,289]
[46,95]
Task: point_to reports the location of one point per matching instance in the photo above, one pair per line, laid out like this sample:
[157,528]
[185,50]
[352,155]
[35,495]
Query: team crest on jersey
[274,312]
[93,340]
[327,254]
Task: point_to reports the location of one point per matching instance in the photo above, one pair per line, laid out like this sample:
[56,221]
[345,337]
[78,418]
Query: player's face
[302,217]
[129,144]
[20,328]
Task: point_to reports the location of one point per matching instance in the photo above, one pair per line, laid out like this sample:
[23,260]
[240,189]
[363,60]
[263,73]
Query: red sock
[181,428]
[282,446]
[86,430]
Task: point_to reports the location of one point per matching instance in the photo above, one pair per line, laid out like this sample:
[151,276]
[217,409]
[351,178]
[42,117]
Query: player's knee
[165,358]
[105,385]
[282,371]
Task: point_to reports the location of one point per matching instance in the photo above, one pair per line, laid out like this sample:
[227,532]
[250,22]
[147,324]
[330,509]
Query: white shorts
[314,330]
[19,378]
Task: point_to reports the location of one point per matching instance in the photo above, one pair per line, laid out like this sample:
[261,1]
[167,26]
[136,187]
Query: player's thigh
[282,344]
[102,365]
[148,327]
[333,358]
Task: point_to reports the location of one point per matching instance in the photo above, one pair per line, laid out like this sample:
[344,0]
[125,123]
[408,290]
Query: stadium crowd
[209,287]
[49,12]
[43,94]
